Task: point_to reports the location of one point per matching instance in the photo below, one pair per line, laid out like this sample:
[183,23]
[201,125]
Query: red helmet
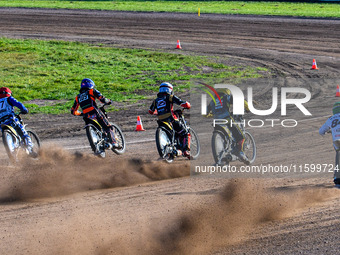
[5,92]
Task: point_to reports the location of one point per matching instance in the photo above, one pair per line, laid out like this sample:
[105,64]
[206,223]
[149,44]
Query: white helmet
[166,87]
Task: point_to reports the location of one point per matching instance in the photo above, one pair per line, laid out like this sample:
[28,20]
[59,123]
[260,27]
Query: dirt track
[62,205]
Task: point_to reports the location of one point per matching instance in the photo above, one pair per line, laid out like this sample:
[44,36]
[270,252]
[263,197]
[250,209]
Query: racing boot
[177,153]
[116,145]
[30,147]
[113,140]
[243,157]
[186,145]
[186,154]
[108,146]
[241,154]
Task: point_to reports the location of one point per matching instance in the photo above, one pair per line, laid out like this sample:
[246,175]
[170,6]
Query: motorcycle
[14,142]
[169,143]
[99,140]
[224,145]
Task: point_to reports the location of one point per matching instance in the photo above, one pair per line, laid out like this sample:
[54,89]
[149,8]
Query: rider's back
[7,108]
[333,124]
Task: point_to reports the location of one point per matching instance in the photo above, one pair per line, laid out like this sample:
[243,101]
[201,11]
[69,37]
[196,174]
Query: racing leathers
[7,117]
[163,105]
[333,124]
[86,100]
[222,111]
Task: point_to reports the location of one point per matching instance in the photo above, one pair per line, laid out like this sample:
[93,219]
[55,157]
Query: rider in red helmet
[164,106]
[7,116]
[86,100]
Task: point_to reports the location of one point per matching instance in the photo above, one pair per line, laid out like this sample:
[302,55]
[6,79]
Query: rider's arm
[325,127]
[180,102]
[152,107]
[100,97]
[74,109]
[12,101]
[210,107]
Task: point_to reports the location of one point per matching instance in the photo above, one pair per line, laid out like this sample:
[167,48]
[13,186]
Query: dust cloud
[241,207]
[225,219]
[59,173]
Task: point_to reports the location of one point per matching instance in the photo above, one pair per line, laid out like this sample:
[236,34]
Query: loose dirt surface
[70,202]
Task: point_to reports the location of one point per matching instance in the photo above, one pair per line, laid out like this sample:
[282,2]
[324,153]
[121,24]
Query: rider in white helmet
[333,125]
[164,106]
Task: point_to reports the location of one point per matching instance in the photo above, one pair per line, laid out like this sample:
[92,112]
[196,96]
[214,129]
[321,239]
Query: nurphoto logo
[239,98]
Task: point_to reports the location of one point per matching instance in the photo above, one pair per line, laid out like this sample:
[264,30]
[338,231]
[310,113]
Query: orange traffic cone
[314,65]
[337,91]
[139,126]
[178,45]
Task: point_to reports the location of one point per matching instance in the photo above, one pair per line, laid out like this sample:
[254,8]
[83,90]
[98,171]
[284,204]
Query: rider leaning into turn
[333,125]
[223,112]
[7,116]
[86,99]
[164,106]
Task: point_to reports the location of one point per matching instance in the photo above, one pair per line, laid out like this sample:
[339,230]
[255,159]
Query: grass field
[228,7]
[52,70]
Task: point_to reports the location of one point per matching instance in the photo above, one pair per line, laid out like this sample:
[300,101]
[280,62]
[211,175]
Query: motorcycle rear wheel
[11,143]
[219,144]
[94,136]
[164,146]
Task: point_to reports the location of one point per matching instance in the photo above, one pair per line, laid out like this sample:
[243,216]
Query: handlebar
[17,114]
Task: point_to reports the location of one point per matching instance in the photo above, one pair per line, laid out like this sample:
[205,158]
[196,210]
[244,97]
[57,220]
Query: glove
[186,105]
[24,112]
[108,101]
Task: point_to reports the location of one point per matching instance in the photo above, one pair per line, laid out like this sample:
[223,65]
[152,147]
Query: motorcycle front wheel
[195,147]
[120,139]
[35,141]
[249,147]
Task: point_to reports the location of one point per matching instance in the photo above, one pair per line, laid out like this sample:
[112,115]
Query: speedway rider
[333,125]
[223,112]
[164,106]
[86,99]
[7,116]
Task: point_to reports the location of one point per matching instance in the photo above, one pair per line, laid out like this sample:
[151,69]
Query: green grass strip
[223,7]
[53,70]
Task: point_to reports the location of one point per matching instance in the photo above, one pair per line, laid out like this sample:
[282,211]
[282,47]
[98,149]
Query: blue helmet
[87,84]
[166,87]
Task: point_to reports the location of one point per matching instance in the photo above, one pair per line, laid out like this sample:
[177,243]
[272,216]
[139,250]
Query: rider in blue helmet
[164,106]
[86,100]
[7,116]
[87,84]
